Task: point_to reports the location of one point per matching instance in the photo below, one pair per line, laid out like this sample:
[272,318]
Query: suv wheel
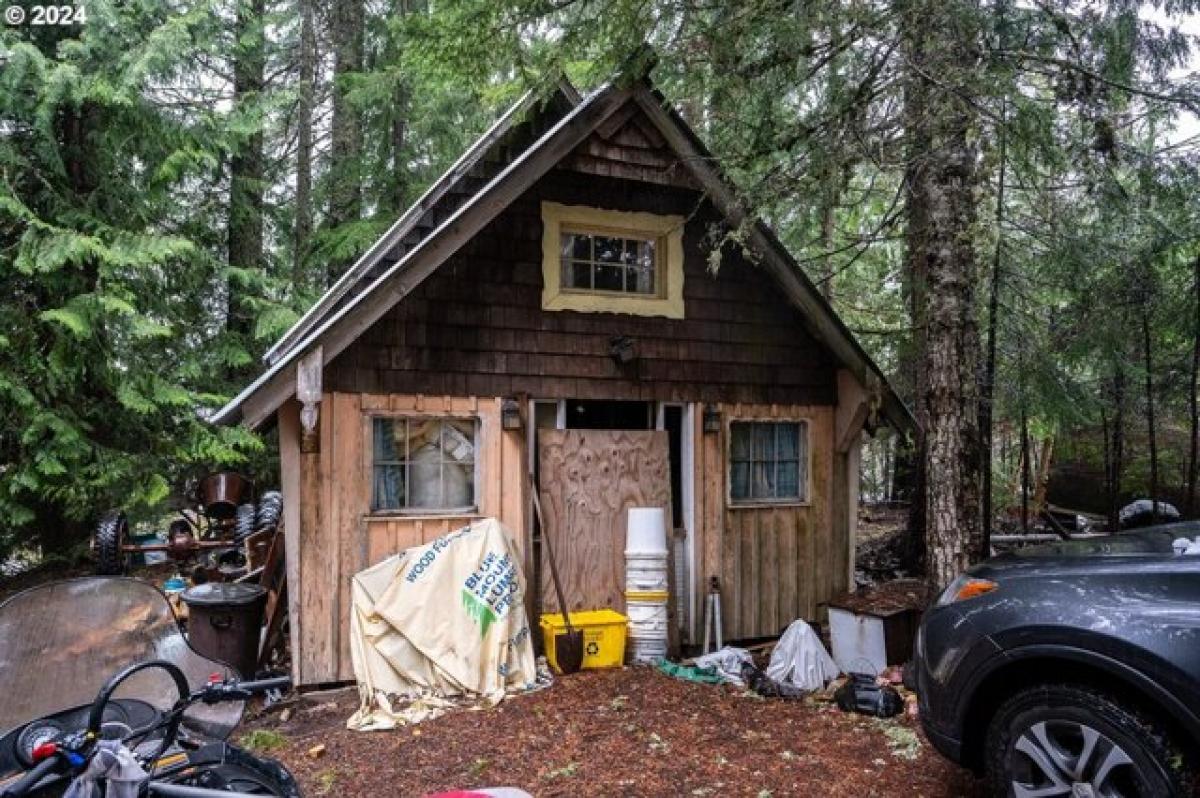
[1063,740]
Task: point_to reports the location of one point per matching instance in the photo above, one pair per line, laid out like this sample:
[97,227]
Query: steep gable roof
[376,283]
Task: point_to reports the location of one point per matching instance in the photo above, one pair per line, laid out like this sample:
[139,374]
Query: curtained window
[768,462]
[423,464]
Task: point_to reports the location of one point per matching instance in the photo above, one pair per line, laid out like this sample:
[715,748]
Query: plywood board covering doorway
[588,480]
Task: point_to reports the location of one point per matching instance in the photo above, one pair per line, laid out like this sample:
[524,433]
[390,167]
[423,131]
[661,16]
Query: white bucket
[647,649]
[646,531]
[644,572]
[647,618]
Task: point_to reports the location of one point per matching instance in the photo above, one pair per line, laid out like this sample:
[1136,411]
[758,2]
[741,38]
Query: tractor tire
[270,508]
[244,524]
[112,533]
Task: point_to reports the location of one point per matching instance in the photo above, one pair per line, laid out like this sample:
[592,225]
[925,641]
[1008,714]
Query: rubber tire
[270,508]
[111,534]
[1157,760]
[243,526]
[246,774]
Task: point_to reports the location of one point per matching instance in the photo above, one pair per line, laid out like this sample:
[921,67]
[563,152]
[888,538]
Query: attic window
[594,261]
[605,261]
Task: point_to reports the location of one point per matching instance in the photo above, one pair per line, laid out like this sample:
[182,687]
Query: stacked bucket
[646,593]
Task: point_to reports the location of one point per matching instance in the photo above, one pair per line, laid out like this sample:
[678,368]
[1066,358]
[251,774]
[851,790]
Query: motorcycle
[164,714]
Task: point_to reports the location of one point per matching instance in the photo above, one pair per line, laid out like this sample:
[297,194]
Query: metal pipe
[183,791]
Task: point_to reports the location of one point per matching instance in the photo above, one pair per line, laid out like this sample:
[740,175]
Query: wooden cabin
[545,318]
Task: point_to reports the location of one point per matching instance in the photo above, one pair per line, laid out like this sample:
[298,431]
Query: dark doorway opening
[673,424]
[590,414]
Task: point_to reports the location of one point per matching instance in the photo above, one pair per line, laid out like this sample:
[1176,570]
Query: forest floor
[627,732]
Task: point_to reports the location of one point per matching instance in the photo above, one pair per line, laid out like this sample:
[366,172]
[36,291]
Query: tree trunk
[1025,476]
[1045,461]
[246,174]
[1118,447]
[398,112]
[302,234]
[828,218]
[1150,424]
[988,389]
[1193,408]
[910,462]
[941,40]
[345,201]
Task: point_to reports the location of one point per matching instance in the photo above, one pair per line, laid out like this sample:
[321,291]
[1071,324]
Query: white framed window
[768,462]
[423,464]
[605,261]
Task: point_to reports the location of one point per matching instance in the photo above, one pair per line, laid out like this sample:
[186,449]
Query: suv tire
[1039,735]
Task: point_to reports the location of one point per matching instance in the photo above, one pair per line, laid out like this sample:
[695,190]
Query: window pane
[788,441]
[739,444]
[609,277]
[764,441]
[388,490]
[608,250]
[643,266]
[581,246]
[577,275]
[566,246]
[458,440]
[458,485]
[788,479]
[739,481]
[385,449]
[425,483]
[762,480]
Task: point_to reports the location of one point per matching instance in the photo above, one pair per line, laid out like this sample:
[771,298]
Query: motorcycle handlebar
[32,777]
[263,685]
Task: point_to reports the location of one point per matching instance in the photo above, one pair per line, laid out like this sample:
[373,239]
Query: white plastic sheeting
[438,626]
[728,662]
[800,660]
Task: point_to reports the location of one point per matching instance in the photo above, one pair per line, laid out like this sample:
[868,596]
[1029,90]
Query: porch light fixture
[712,419]
[510,414]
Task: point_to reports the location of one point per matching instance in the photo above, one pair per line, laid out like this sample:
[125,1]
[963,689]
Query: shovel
[568,648]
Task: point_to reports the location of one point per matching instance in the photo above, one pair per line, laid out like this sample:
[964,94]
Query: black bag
[862,694]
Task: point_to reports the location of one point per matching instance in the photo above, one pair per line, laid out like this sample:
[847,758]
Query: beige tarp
[440,625]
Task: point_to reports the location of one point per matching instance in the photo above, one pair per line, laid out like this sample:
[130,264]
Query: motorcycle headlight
[965,587]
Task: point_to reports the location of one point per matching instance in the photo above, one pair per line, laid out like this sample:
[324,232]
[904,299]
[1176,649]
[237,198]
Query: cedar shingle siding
[476,327]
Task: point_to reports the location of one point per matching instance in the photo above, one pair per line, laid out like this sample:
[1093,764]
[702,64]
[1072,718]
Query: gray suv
[1071,669]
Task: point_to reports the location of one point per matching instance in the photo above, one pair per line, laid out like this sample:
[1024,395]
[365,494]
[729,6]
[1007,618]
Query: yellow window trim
[668,230]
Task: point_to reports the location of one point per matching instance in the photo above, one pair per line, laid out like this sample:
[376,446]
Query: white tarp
[800,660]
[440,625]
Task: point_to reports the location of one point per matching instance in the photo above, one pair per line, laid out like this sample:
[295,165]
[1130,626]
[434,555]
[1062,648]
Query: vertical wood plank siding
[339,536]
[774,563]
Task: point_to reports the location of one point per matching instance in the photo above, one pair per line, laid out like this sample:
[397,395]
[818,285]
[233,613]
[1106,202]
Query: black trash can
[224,619]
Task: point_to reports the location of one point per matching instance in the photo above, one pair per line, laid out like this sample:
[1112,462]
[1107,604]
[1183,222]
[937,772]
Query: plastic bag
[727,662]
[800,660]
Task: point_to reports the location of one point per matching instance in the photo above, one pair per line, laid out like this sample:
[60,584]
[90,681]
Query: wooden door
[588,480]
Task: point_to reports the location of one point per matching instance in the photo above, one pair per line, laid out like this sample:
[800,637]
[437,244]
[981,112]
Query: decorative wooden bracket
[856,407]
[308,393]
